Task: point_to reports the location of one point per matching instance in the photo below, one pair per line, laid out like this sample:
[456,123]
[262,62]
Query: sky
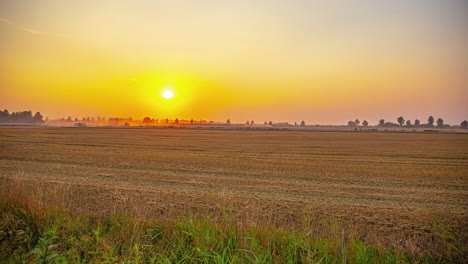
[325,62]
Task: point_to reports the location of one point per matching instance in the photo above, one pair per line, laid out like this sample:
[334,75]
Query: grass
[55,237]
[30,232]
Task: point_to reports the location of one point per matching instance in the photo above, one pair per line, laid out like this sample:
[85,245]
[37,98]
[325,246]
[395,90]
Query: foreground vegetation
[29,233]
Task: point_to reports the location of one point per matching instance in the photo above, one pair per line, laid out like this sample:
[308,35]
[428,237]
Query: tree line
[21,117]
[401,122]
[28,117]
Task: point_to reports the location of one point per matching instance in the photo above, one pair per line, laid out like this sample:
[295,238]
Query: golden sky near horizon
[320,61]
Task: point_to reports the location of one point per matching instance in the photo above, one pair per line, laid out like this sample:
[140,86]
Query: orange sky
[320,61]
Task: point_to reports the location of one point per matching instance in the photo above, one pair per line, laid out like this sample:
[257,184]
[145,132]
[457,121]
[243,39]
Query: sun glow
[168,94]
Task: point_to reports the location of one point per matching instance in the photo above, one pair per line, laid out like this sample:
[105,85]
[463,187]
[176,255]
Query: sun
[168,94]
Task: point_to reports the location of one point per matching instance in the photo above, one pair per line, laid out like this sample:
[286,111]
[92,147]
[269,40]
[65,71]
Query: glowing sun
[168,94]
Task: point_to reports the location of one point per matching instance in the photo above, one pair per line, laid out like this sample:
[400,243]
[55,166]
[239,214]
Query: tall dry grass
[58,223]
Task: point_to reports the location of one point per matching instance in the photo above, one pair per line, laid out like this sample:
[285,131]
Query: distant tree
[365,123]
[20,117]
[390,124]
[69,119]
[251,122]
[247,123]
[270,123]
[76,119]
[126,124]
[167,120]
[156,121]
[302,123]
[265,123]
[357,122]
[84,119]
[408,123]
[430,121]
[99,118]
[440,122]
[176,121]
[381,122]
[228,122]
[464,124]
[351,124]
[38,118]
[401,121]
[87,119]
[417,123]
[146,120]
[295,123]
[191,121]
[4,116]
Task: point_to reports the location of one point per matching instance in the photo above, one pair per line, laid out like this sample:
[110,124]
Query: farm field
[390,189]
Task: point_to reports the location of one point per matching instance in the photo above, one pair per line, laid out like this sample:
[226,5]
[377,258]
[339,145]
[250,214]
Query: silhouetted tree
[464,124]
[38,118]
[365,123]
[440,122]
[302,123]
[351,124]
[401,121]
[265,123]
[176,121]
[381,122]
[430,121]
[167,120]
[146,120]
[408,123]
[69,119]
[417,123]
[4,116]
[21,117]
[270,123]
[228,122]
[251,122]
[247,123]
[191,121]
[357,122]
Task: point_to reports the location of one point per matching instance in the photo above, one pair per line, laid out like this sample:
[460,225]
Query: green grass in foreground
[38,236]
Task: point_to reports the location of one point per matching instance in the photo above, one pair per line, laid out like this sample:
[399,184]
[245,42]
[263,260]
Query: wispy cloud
[24,28]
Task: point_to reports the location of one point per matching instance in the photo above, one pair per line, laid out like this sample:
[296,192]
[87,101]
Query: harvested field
[392,189]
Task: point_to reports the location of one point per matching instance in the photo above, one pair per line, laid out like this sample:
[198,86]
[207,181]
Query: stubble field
[397,190]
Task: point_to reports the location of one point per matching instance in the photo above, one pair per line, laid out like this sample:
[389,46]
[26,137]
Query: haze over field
[320,61]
